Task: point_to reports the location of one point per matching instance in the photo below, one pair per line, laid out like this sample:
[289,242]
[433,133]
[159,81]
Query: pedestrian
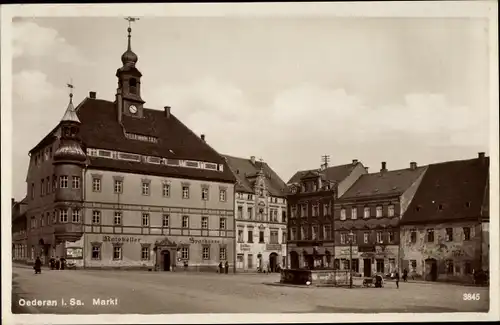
[52,263]
[58,263]
[222,268]
[219,269]
[405,275]
[185,265]
[397,278]
[63,262]
[226,267]
[38,265]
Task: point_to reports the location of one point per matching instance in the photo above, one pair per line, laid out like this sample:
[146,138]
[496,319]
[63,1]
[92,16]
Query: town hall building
[120,185]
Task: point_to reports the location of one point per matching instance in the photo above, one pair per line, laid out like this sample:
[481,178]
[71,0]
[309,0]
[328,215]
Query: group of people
[55,264]
[223,268]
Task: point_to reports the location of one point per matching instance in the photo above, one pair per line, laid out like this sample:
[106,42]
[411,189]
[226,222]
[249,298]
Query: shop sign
[74,252]
[367,249]
[273,247]
[124,239]
[192,240]
[347,251]
[245,247]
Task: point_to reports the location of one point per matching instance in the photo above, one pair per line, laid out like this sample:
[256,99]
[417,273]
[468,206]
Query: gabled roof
[335,173]
[394,182]
[458,186]
[245,171]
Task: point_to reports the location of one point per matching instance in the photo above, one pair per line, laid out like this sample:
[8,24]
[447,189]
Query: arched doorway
[431,270]
[294,260]
[273,261]
[166,260]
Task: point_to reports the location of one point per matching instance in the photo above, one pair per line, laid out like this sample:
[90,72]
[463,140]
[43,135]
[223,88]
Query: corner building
[260,216]
[119,185]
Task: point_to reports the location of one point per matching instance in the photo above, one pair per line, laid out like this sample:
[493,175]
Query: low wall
[315,277]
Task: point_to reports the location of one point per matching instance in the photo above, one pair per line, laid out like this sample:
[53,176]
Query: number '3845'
[471,296]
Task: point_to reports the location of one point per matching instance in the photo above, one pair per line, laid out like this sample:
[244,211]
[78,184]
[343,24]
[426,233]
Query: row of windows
[47,186]
[43,155]
[315,212]
[250,197]
[146,252]
[65,215]
[273,238]
[273,214]
[314,234]
[74,216]
[166,189]
[466,232]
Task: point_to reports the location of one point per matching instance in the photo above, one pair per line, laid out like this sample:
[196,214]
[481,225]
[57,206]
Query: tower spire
[70,114]
[129,57]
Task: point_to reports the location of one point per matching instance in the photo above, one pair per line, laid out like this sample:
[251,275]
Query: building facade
[367,220]
[117,184]
[19,230]
[445,229]
[260,212]
[311,225]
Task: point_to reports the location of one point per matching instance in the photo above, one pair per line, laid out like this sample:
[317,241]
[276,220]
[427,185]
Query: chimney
[203,137]
[384,167]
[480,155]
[252,159]
[366,168]
[92,94]
[413,165]
[167,111]
[354,161]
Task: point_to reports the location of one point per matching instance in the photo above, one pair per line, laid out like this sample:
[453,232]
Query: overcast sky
[287,90]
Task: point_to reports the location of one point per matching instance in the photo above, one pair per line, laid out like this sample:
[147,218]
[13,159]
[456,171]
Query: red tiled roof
[334,173]
[243,169]
[458,186]
[394,182]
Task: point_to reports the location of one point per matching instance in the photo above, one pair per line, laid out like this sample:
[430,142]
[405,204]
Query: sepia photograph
[251,162]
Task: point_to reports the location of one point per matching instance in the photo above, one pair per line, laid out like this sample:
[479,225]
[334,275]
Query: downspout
[234,228]
[84,189]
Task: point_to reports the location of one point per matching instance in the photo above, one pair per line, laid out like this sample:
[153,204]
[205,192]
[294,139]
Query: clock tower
[128,94]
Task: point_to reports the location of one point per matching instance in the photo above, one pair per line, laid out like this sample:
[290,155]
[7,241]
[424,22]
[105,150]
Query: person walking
[38,266]
[405,275]
[396,276]
[58,263]
[63,263]
[219,268]
[226,267]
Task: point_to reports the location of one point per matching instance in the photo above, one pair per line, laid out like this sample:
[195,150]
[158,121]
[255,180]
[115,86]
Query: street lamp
[351,237]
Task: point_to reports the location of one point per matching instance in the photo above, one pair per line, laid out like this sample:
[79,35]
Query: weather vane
[71,87]
[131,20]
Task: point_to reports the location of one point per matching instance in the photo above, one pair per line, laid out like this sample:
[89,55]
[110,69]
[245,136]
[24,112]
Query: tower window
[133,86]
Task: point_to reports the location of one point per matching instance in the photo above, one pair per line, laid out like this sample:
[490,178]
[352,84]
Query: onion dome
[71,152]
[129,57]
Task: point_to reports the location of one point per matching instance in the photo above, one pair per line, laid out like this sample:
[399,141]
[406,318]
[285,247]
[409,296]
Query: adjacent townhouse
[444,232]
[260,212]
[313,194]
[367,219]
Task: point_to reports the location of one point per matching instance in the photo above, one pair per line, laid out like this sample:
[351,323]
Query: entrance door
[294,260]
[367,267]
[273,260]
[166,261]
[431,269]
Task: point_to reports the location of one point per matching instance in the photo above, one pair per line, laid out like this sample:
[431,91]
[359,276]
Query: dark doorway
[309,261]
[166,261]
[431,270]
[273,259]
[294,260]
[367,267]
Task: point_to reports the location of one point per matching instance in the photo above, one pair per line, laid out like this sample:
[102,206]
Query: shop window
[96,251]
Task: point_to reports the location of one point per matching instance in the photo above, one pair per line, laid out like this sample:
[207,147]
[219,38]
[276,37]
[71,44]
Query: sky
[287,90]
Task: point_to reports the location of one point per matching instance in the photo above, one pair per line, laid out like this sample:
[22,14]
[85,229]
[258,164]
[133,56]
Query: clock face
[132,109]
